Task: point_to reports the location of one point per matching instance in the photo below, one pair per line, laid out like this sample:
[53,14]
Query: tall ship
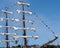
[17,27]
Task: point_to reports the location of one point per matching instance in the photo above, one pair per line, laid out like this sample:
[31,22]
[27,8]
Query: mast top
[23,3]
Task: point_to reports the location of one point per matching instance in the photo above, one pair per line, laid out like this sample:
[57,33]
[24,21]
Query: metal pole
[7,43]
[25,40]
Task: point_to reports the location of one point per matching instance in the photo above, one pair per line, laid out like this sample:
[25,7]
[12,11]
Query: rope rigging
[50,41]
[47,26]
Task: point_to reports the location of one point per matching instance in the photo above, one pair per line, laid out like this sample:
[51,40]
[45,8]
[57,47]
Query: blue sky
[48,10]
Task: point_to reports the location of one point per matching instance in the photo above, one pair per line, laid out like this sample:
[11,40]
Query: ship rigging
[23,28]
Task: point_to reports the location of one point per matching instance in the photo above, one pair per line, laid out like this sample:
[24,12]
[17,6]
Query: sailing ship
[24,28]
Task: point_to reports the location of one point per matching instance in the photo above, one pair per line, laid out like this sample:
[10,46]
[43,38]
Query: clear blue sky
[48,10]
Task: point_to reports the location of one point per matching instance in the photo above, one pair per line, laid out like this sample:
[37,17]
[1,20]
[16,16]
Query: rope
[45,24]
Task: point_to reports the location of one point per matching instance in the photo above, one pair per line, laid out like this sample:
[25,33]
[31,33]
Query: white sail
[17,28]
[26,12]
[8,12]
[7,33]
[7,40]
[16,20]
[16,37]
[4,26]
[22,3]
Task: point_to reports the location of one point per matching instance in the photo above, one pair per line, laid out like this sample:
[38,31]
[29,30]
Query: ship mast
[24,20]
[25,40]
[6,26]
[7,43]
